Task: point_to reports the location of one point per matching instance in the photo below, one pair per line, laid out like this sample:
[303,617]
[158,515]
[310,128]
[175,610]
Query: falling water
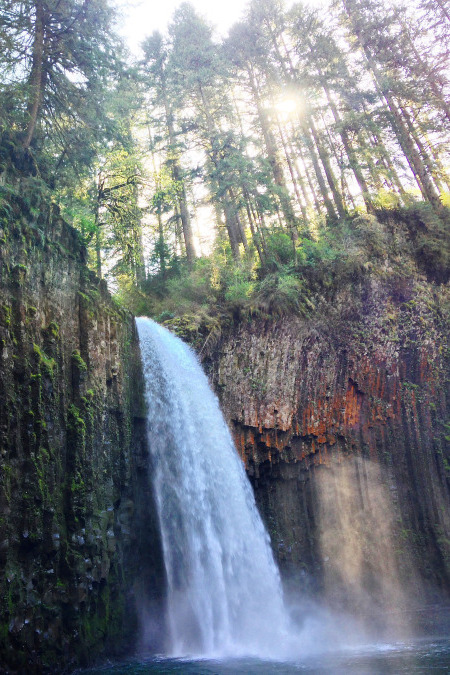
[224,591]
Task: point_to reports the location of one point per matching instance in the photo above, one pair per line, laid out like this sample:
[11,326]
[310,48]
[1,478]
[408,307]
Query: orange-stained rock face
[302,395]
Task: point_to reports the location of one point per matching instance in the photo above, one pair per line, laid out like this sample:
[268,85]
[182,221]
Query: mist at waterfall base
[225,610]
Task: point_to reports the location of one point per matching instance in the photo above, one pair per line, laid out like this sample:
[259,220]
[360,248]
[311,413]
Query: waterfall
[224,593]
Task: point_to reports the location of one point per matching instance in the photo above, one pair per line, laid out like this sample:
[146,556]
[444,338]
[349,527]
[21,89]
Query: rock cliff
[74,495]
[362,383]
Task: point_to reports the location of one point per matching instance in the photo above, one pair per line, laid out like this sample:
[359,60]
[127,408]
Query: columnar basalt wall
[364,377]
[73,456]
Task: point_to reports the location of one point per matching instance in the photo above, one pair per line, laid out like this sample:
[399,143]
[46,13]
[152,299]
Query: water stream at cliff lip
[225,607]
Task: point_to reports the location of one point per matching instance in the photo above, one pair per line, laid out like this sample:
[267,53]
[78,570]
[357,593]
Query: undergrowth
[196,302]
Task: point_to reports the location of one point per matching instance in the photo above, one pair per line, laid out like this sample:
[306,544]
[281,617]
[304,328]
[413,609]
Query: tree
[57,60]
[199,76]
[155,65]
[375,34]
[245,47]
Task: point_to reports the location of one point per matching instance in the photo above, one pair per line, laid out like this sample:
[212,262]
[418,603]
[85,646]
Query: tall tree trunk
[351,154]
[177,175]
[423,152]
[427,72]
[412,155]
[308,178]
[229,209]
[327,169]
[404,139]
[98,247]
[253,225]
[239,227]
[37,78]
[299,176]
[138,246]
[344,189]
[443,175]
[230,224]
[274,161]
[188,235]
[318,171]
[290,75]
[162,243]
[291,170]
[390,172]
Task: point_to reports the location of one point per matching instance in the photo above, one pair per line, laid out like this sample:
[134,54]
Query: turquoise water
[411,658]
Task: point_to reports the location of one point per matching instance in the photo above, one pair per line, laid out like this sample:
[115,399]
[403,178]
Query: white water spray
[224,591]
[224,595]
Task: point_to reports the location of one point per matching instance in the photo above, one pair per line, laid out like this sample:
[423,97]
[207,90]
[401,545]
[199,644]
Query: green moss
[75,422]
[409,385]
[94,295]
[46,364]
[52,330]
[105,620]
[5,315]
[84,297]
[78,362]
[19,272]
[77,484]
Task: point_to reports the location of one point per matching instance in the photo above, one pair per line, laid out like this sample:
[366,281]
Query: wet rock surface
[366,377]
[74,489]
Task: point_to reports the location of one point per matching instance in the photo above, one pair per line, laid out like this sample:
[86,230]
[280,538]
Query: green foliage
[278,249]
[134,299]
[75,422]
[5,315]
[427,237]
[195,286]
[52,330]
[78,362]
[5,206]
[386,199]
[239,292]
[288,281]
[317,253]
[301,155]
[46,364]
[282,293]
[51,125]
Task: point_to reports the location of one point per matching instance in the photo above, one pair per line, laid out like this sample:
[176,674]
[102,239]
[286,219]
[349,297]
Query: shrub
[282,293]
[279,249]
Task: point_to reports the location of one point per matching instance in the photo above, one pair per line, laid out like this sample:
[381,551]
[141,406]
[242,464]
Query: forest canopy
[241,172]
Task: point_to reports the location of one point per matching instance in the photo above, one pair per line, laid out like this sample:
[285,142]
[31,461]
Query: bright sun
[286,105]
